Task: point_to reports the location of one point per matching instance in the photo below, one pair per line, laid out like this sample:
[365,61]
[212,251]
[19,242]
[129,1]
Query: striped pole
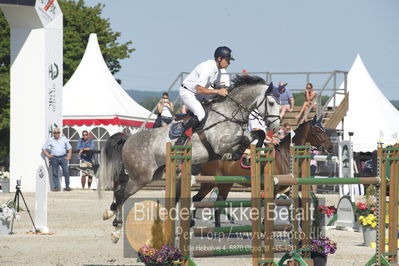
[236,203]
[326,181]
[203,231]
[236,251]
[325,158]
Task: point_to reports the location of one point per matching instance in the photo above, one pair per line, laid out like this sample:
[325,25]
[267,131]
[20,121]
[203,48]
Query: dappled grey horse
[129,163]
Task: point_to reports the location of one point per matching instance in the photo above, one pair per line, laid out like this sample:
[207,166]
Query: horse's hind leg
[112,209]
[117,223]
[123,191]
[111,212]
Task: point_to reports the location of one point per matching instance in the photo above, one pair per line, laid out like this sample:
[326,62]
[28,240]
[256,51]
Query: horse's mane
[239,81]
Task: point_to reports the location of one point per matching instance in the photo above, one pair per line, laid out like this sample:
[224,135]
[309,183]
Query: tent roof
[371,116]
[93,96]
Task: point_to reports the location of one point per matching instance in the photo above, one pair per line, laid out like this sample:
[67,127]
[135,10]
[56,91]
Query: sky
[275,36]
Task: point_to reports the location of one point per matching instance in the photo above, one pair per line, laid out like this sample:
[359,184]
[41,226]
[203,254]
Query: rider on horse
[204,80]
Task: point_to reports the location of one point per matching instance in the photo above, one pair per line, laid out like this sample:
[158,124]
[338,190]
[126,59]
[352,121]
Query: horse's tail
[111,162]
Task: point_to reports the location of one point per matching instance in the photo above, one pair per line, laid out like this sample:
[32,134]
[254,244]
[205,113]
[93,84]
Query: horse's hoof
[108,214]
[115,237]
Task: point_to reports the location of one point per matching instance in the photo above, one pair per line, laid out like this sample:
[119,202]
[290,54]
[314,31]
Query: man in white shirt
[58,150]
[202,83]
[257,127]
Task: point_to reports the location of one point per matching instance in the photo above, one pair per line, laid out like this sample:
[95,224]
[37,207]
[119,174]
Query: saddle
[177,127]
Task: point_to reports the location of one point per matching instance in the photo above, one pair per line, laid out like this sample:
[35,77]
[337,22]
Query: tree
[79,22]
[4,86]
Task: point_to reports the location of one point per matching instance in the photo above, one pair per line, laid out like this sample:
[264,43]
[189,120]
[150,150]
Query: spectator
[283,131]
[310,95]
[257,127]
[86,155]
[165,108]
[270,138]
[58,150]
[287,101]
[313,166]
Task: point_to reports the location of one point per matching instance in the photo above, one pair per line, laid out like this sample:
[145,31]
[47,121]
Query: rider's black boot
[192,123]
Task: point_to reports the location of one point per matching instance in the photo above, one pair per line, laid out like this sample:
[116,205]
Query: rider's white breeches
[192,103]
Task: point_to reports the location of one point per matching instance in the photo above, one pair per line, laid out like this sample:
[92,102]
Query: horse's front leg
[235,146]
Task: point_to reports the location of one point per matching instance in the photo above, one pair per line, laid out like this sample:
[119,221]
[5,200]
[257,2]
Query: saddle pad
[176,130]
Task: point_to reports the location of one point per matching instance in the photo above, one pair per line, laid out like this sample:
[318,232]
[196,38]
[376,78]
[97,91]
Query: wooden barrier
[183,155]
[300,168]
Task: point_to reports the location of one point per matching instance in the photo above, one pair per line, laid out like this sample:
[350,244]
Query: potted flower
[156,253]
[366,212]
[369,224]
[327,213]
[162,257]
[320,249]
[7,213]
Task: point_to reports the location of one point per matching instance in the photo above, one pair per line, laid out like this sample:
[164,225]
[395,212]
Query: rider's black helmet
[224,52]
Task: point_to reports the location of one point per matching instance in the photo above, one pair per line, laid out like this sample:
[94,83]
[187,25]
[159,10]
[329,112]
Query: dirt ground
[81,237]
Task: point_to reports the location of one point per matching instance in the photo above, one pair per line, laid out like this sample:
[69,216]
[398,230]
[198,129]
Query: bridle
[242,111]
[317,137]
[266,115]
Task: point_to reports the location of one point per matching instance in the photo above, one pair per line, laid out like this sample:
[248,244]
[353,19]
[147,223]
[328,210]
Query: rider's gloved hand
[222,92]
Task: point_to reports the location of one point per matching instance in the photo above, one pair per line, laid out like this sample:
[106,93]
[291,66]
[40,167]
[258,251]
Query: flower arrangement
[165,255]
[364,209]
[328,210]
[157,252]
[4,175]
[7,211]
[369,220]
[323,246]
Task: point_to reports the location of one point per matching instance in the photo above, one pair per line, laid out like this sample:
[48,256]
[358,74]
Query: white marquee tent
[371,116]
[92,96]
[94,101]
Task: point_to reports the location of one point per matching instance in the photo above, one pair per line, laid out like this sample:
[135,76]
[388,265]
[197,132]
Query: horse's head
[269,107]
[252,92]
[317,136]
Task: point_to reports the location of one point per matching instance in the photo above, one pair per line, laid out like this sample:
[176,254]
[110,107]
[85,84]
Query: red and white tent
[93,98]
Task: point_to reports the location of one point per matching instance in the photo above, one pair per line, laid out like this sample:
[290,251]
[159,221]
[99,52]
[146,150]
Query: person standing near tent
[202,83]
[58,150]
[86,155]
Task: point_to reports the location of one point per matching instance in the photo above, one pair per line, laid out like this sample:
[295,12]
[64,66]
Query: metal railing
[324,83]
